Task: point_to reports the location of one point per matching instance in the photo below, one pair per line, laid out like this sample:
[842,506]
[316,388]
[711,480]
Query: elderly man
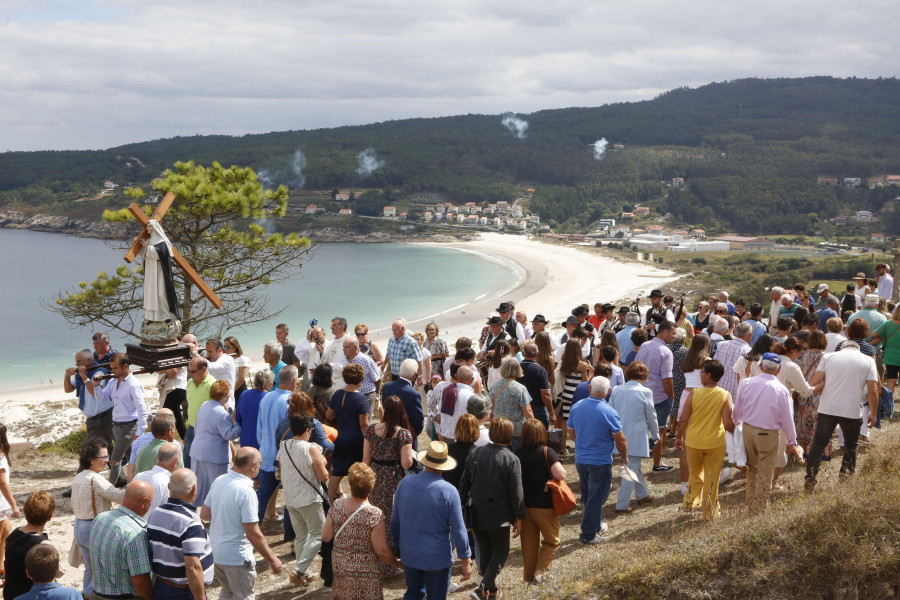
[333,353]
[272,353]
[830,308]
[182,555]
[728,353]
[129,413]
[596,429]
[870,315]
[308,354]
[537,382]
[221,366]
[495,334]
[372,377]
[848,384]
[162,427]
[623,336]
[272,410]
[412,401]
[723,298]
[119,549]
[513,328]
[658,358]
[81,379]
[197,391]
[103,353]
[763,405]
[168,460]
[232,510]
[454,399]
[539,324]
[776,293]
[400,347]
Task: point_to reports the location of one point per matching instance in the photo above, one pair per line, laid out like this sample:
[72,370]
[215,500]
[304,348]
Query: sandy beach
[550,280]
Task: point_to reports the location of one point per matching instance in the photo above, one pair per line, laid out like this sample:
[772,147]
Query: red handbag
[562,494]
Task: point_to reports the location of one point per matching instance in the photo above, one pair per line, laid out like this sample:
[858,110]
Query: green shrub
[70,443]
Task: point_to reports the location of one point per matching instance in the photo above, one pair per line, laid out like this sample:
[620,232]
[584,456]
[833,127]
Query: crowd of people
[165,504]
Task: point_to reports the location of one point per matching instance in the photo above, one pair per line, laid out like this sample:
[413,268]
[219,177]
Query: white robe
[156,304]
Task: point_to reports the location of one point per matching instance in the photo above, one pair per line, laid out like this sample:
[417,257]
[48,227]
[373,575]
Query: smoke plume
[600,148]
[516,125]
[368,162]
[289,173]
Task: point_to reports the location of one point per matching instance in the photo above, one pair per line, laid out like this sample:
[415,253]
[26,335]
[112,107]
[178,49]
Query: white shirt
[223,368]
[306,353]
[773,315]
[448,422]
[128,401]
[158,478]
[846,375]
[833,340]
[886,286]
[334,355]
[791,377]
[181,379]
[520,331]
[669,317]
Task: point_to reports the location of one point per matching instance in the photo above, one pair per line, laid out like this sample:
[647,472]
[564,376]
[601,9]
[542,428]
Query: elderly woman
[302,468]
[246,412]
[634,403]
[704,419]
[367,346]
[211,450]
[492,485]
[241,365]
[480,407]
[539,465]
[361,546]
[350,409]
[511,399]
[700,319]
[426,357]
[438,348]
[92,494]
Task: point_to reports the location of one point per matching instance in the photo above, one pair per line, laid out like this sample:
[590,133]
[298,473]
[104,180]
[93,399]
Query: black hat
[607,306]
[656,294]
[539,319]
[506,307]
[571,320]
[579,311]
[495,320]
[623,310]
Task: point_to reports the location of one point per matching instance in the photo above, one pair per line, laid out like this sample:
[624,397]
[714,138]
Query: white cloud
[97,73]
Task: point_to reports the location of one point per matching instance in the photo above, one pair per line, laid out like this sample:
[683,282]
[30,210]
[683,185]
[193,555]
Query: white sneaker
[597,540]
[603,527]
[725,476]
[453,587]
[685,486]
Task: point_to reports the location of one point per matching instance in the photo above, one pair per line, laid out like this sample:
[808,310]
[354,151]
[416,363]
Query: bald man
[168,460]
[400,347]
[182,555]
[231,508]
[119,548]
[143,450]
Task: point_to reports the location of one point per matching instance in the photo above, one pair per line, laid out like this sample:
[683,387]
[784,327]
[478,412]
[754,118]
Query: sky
[93,74]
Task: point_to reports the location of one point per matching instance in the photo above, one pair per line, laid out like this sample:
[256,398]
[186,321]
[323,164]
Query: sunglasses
[362,333]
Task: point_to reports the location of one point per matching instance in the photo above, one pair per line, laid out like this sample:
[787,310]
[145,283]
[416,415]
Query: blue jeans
[540,413]
[188,440]
[433,584]
[595,482]
[162,591]
[268,485]
[83,538]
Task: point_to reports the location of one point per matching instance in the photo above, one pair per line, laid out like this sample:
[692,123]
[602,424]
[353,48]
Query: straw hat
[436,457]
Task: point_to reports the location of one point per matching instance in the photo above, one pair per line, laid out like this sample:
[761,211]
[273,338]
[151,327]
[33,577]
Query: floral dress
[357,574]
[385,454]
[437,347]
[808,408]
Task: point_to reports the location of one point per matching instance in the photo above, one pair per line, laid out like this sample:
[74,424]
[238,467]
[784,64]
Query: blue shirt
[272,411]
[581,392]
[232,502]
[51,591]
[758,330]
[623,338]
[87,402]
[824,314]
[247,414]
[595,423]
[427,518]
[275,371]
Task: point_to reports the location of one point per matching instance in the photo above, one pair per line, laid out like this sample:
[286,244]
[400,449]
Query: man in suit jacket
[412,400]
[495,333]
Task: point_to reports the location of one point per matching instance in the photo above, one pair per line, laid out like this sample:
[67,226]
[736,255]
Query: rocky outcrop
[58,224]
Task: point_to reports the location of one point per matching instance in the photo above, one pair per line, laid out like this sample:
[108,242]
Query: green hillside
[749,151]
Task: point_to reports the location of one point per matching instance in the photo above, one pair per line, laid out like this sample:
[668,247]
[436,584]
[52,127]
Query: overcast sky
[99,73]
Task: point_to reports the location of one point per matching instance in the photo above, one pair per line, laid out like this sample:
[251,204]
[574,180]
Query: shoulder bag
[327,572]
[563,497]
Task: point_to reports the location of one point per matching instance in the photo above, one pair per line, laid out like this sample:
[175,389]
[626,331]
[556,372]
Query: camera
[313,322]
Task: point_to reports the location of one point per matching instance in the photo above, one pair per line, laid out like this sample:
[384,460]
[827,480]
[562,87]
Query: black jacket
[492,482]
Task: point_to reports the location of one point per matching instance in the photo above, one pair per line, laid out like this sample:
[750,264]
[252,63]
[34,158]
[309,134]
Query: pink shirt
[764,402]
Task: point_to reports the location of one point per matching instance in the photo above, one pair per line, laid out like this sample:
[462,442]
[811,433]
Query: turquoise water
[370,283]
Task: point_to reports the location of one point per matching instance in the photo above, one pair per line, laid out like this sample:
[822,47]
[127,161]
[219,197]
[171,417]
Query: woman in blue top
[246,412]
[351,411]
[211,450]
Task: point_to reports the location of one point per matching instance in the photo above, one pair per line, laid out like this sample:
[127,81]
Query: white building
[695,246]
[864,215]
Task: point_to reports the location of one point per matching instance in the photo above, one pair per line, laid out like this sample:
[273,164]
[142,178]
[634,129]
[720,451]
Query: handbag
[468,509]
[560,492]
[75,555]
[554,439]
[327,572]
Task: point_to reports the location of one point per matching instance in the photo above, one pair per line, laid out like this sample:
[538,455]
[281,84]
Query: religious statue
[162,315]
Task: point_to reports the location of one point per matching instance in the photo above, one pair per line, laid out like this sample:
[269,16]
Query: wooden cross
[182,263]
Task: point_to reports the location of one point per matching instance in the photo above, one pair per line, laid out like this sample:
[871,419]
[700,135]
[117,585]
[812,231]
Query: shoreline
[550,280]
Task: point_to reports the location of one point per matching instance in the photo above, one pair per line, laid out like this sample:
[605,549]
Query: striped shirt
[400,350]
[175,531]
[119,551]
[372,375]
[728,354]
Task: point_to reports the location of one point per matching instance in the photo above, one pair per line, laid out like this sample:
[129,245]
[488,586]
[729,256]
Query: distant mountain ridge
[749,150]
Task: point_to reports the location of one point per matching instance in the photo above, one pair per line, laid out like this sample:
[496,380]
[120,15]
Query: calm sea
[370,283]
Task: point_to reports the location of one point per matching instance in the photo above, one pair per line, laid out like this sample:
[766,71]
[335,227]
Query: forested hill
[750,152]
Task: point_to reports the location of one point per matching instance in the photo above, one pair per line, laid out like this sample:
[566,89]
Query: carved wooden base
[158,359]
